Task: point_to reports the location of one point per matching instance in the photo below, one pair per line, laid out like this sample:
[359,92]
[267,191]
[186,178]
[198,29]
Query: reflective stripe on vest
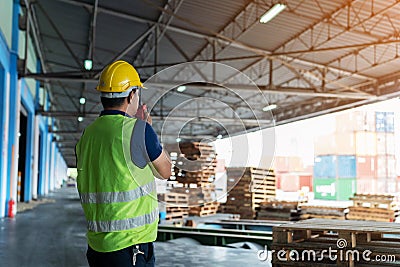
[120,225]
[116,197]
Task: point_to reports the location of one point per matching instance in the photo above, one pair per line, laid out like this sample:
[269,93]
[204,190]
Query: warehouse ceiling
[315,57]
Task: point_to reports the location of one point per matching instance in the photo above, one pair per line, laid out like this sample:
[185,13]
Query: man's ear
[131,96]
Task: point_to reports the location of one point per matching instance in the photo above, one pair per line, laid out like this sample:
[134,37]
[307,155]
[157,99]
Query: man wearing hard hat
[118,156]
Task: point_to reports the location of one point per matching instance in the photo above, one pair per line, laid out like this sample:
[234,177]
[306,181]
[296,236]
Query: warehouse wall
[45,169]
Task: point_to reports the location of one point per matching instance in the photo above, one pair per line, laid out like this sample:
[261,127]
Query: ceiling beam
[129,47]
[224,40]
[266,89]
[154,38]
[335,48]
[92,32]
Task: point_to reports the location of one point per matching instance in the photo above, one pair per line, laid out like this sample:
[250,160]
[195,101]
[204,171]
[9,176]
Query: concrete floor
[53,234]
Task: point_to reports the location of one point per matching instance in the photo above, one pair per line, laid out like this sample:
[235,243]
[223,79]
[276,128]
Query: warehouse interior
[281,119]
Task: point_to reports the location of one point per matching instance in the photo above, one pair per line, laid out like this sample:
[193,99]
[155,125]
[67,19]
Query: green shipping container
[334,189]
[325,188]
[346,188]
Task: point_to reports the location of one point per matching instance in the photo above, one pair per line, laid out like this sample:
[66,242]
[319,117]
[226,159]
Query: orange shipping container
[293,182]
[355,121]
[335,144]
[288,164]
[366,167]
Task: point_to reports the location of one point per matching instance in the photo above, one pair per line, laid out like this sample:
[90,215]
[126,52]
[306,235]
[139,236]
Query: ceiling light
[219,136]
[272,13]
[178,140]
[269,107]
[181,88]
[82,100]
[88,64]
[80,119]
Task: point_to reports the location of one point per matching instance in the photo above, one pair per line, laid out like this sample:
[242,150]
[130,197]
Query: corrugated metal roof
[302,26]
[211,15]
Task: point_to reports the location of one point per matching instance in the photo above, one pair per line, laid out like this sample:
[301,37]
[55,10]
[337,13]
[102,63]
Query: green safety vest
[119,199]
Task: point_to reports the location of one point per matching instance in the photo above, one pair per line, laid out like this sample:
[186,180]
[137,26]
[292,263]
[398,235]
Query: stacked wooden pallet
[247,188]
[322,212]
[323,242]
[382,208]
[176,205]
[195,165]
[197,195]
[203,156]
[206,209]
[278,210]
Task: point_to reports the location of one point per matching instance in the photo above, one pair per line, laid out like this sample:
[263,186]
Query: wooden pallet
[322,212]
[207,209]
[381,208]
[176,198]
[375,201]
[278,210]
[248,187]
[372,214]
[320,235]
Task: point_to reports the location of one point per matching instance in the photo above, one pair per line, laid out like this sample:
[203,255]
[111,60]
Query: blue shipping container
[325,167]
[389,122]
[380,121]
[346,166]
[340,166]
[384,122]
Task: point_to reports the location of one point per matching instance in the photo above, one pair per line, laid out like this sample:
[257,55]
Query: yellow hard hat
[118,79]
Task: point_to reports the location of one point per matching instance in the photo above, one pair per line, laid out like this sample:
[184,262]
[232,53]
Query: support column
[30,142]
[14,109]
[43,159]
[35,175]
[4,95]
[47,140]
[52,163]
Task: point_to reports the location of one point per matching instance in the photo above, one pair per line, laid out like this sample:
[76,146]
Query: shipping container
[385,144]
[386,185]
[289,182]
[366,143]
[366,185]
[325,188]
[334,144]
[340,166]
[389,122]
[386,166]
[288,164]
[355,121]
[349,143]
[346,188]
[366,167]
[380,121]
[346,166]
[306,180]
[293,182]
[334,189]
[384,122]
[325,167]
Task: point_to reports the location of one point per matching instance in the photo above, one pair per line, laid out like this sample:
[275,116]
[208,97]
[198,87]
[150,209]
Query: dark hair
[112,102]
